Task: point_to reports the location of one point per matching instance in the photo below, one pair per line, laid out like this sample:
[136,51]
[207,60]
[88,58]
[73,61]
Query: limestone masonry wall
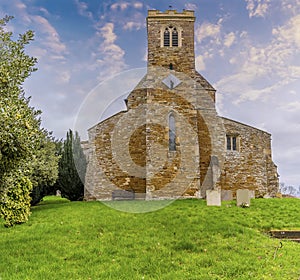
[251,167]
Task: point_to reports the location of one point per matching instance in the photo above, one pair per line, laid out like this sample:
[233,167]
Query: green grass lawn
[186,240]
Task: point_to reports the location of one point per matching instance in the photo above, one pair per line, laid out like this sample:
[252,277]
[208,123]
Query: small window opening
[171,66]
[172,133]
[231,143]
[228,141]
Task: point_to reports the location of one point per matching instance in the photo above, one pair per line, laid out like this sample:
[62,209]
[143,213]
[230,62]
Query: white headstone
[243,197]
[213,198]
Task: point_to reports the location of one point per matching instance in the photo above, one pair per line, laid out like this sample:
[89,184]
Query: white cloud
[291,106]
[294,72]
[38,52]
[47,38]
[44,11]
[291,6]
[112,55]
[138,5]
[21,10]
[233,60]
[131,25]
[229,39]
[206,30]
[107,32]
[191,6]
[82,9]
[213,41]
[200,64]
[52,40]
[257,8]
[63,77]
[122,6]
[145,57]
[289,33]
[266,68]
[20,5]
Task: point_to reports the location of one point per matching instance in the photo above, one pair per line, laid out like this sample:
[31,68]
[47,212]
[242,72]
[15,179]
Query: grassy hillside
[186,240]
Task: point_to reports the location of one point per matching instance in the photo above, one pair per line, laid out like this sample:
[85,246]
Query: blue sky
[249,50]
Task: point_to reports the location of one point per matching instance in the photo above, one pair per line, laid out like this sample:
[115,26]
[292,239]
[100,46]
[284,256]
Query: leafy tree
[44,169]
[20,132]
[72,168]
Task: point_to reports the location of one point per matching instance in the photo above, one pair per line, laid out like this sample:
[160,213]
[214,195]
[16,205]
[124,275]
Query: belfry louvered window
[175,38]
[167,38]
[171,37]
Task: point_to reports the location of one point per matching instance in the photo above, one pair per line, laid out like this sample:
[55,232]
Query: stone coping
[171,13]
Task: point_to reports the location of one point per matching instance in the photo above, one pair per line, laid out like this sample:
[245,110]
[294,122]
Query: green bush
[15,198]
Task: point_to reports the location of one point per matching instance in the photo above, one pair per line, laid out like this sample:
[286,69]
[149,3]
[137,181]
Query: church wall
[115,162]
[251,167]
[171,173]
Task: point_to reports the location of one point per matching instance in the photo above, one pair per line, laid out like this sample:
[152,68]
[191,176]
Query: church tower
[171,40]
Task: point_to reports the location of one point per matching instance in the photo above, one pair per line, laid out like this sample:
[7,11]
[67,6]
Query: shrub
[15,198]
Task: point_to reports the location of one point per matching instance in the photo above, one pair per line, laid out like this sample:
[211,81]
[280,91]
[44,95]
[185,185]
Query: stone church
[170,142]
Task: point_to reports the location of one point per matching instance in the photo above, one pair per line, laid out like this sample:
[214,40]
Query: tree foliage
[44,169]
[15,206]
[20,126]
[20,132]
[72,168]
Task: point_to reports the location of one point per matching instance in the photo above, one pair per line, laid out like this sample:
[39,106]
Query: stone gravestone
[243,197]
[252,193]
[226,195]
[213,198]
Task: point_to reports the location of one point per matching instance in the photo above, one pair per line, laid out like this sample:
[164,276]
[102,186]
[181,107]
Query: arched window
[167,38]
[174,38]
[172,133]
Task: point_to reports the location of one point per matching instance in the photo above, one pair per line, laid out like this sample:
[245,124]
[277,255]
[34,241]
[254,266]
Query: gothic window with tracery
[171,37]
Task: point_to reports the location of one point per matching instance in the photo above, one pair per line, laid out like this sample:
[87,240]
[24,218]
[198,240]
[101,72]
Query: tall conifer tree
[72,168]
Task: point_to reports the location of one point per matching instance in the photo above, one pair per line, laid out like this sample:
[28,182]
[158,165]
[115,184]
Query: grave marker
[226,195]
[213,198]
[243,197]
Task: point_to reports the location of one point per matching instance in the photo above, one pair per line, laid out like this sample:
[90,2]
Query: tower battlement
[171,14]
